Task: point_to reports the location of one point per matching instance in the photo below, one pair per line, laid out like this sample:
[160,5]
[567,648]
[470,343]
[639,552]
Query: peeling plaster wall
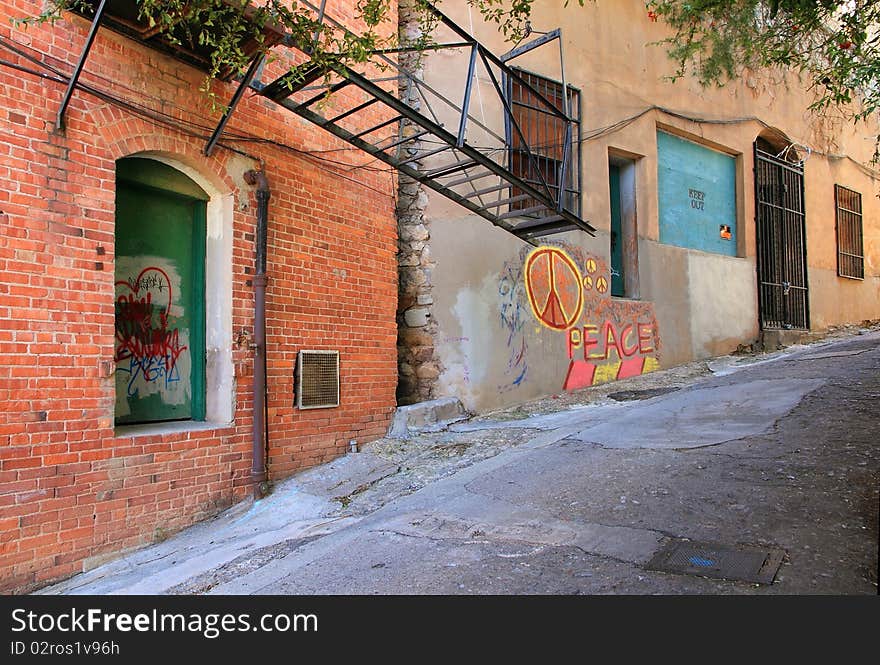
[485,324]
[497,344]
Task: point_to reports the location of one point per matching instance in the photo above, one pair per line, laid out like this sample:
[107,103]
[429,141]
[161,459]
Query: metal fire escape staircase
[363,109]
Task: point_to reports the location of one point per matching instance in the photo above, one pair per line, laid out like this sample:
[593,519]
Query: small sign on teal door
[697,196]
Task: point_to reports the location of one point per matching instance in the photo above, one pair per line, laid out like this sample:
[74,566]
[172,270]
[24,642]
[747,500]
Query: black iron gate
[783,300]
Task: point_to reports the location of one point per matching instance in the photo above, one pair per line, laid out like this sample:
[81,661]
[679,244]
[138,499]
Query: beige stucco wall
[705,304]
[723,299]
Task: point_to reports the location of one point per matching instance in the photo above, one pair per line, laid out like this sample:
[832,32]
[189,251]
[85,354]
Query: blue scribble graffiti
[513,318]
[150,369]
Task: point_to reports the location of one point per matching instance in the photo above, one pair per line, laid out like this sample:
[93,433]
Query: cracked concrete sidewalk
[399,493]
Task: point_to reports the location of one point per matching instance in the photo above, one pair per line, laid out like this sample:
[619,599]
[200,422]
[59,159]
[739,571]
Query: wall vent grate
[317,379]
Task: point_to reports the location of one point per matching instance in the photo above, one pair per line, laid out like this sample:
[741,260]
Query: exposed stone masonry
[418,366]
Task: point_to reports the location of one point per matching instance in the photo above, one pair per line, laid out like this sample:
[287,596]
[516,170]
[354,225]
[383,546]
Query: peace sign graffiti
[553,284]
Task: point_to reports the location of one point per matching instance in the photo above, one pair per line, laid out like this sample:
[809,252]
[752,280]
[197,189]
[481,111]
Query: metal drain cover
[744,564]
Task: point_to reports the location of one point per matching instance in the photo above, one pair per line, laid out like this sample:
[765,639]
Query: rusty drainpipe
[258,469]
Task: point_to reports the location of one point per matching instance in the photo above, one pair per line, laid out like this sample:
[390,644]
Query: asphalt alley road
[781,456]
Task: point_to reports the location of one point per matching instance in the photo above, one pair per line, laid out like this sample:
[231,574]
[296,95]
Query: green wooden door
[160,298]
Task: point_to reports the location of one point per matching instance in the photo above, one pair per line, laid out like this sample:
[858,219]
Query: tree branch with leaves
[224,25]
[833,44]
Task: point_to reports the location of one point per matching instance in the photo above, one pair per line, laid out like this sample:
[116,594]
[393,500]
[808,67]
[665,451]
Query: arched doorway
[160,293]
[780,223]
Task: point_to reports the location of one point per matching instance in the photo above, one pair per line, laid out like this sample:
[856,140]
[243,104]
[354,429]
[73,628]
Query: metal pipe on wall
[260,427]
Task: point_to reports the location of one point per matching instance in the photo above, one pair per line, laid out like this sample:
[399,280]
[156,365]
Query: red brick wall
[71,492]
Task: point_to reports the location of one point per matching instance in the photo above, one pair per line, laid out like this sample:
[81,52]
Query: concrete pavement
[572,495]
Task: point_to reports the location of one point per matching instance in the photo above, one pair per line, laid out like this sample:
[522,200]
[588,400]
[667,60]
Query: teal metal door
[160,294]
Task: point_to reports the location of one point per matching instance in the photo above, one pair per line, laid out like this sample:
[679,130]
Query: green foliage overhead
[834,44]
[222,27]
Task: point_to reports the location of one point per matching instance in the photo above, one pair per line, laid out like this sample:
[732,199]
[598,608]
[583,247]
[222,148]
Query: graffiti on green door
[150,352]
[159,295]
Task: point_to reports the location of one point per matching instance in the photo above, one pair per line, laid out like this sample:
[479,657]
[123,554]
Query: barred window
[539,155]
[850,255]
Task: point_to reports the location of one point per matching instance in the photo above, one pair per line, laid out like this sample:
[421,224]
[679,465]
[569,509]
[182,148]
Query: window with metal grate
[850,252]
[544,148]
